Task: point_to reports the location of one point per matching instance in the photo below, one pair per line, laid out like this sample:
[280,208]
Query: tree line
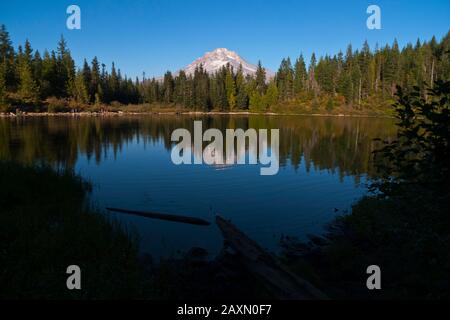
[357,80]
[29,78]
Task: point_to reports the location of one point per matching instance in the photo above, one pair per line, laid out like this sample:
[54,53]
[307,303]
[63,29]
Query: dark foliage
[405,227]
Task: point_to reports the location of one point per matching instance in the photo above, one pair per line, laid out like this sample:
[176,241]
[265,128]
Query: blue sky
[159,35]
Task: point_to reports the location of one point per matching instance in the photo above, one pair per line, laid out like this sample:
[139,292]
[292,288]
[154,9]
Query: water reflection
[336,144]
[127,158]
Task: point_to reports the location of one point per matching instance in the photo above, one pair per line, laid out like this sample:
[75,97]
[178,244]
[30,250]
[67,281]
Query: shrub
[55,105]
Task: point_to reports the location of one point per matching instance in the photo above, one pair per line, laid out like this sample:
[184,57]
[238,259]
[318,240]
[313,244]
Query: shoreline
[191,113]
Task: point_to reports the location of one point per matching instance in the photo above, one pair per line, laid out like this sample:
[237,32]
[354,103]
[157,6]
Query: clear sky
[159,35]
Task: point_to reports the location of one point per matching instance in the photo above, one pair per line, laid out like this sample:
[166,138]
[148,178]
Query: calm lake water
[324,165]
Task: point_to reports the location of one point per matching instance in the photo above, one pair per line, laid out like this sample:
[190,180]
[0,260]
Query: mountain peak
[214,60]
[222,50]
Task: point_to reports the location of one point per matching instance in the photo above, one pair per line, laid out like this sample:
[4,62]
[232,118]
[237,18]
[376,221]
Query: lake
[325,165]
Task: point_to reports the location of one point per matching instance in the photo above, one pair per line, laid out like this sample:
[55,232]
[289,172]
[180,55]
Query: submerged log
[282,283]
[161,216]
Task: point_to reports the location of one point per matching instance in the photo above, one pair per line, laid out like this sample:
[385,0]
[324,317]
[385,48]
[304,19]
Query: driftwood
[161,216]
[282,283]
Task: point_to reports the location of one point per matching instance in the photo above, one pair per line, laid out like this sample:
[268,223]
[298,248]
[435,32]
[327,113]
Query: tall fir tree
[241,90]
[299,75]
[230,88]
[28,89]
[260,79]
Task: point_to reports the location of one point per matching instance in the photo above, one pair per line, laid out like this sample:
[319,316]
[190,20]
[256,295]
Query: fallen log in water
[282,283]
[161,216]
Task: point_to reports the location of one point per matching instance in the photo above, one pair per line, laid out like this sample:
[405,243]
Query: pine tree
[87,77]
[260,78]
[325,74]
[95,80]
[344,81]
[28,90]
[189,93]
[271,96]
[241,97]
[230,88]
[391,68]
[312,82]
[180,88]
[2,86]
[49,78]
[367,73]
[168,87]
[37,70]
[256,103]
[201,89]
[113,85]
[65,69]
[285,80]
[357,84]
[7,60]
[218,89]
[346,87]
[98,96]
[299,75]
[79,88]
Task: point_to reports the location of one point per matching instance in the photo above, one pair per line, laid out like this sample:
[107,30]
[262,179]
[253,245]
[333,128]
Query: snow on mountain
[214,60]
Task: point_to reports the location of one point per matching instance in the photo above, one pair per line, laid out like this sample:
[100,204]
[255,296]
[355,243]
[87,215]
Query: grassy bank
[61,106]
[46,225]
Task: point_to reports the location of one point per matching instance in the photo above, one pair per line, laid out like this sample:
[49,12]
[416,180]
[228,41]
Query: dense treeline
[357,80]
[27,78]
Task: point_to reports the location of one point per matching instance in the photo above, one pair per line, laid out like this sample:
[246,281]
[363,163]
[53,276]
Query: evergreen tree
[230,88]
[367,73]
[391,68]
[241,97]
[285,80]
[87,77]
[28,90]
[49,75]
[2,85]
[325,74]
[95,81]
[79,88]
[345,83]
[271,96]
[201,89]
[260,79]
[113,85]
[256,103]
[189,93]
[180,88]
[65,70]
[218,89]
[312,82]
[168,88]
[299,75]
[7,72]
[37,70]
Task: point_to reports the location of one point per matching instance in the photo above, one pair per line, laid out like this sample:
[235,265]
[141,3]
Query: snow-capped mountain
[214,60]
